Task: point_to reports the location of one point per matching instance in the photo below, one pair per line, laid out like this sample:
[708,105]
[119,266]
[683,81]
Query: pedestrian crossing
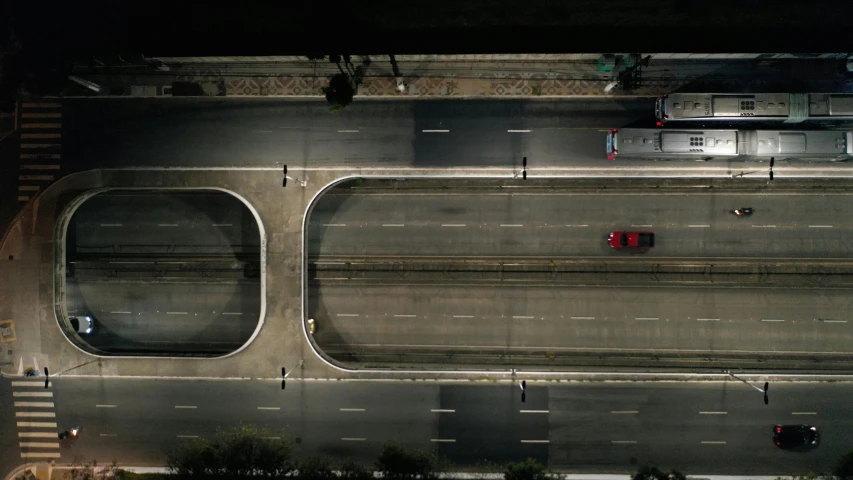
[35,419]
[40,124]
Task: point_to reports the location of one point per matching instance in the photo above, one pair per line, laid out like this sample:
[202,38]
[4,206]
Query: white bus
[658,144]
[766,107]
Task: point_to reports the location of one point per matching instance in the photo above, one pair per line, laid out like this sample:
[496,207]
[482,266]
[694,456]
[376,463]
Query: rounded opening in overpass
[161,272]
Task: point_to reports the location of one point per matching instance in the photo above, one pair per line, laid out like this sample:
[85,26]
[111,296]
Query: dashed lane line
[518,131]
[187,436]
[707,319]
[624,412]
[353,439]
[463,316]
[776,320]
[698,226]
[511,225]
[393,224]
[820,226]
[534,411]
[405,316]
[712,442]
[176,313]
[442,410]
[443,440]
[582,318]
[348,131]
[334,224]
[186,407]
[535,441]
[803,413]
[120,312]
[435,131]
[106,406]
[623,442]
[167,224]
[346,314]
[269,408]
[647,319]
[352,409]
[713,413]
[523,317]
[452,224]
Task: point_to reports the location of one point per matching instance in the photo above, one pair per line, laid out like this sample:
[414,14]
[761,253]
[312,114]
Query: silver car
[83,325]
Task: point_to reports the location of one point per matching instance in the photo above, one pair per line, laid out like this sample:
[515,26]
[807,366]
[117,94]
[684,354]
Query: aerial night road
[164,271]
[260,132]
[786,224]
[584,426]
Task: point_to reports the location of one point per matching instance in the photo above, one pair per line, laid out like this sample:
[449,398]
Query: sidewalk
[507,76]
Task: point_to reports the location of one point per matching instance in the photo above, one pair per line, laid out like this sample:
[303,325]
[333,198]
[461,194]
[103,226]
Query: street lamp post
[285,373]
[764,391]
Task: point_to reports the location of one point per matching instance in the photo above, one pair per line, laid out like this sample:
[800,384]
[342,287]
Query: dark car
[793,436]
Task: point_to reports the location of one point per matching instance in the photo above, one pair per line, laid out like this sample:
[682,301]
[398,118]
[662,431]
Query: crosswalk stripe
[36,177]
[37,434]
[34,404]
[32,394]
[41,105]
[39,444]
[41,125]
[35,414]
[41,145]
[37,424]
[40,167]
[39,454]
[27,383]
[41,135]
[41,115]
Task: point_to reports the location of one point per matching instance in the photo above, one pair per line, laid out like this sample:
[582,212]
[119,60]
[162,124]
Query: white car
[83,325]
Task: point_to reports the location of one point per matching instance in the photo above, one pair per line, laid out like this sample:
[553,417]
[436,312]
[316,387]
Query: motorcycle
[742,212]
[72,433]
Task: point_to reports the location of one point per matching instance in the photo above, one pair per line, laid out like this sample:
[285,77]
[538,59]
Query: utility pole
[764,391]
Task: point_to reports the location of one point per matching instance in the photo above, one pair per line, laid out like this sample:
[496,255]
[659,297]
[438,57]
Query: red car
[631,239]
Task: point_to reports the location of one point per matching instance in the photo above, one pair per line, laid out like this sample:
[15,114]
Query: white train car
[764,107]
[657,144]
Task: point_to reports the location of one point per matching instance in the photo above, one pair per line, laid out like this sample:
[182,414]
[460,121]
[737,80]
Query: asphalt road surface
[161,224]
[458,222]
[164,272]
[591,427]
[260,132]
[533,319]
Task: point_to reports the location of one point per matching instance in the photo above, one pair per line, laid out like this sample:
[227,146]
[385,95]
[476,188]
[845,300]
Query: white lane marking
[34,404]
[110,224]
[37,424]
[106,406]
[186,406]
[443,440]
[820,226]
[109,435]
[833,321]
[707,319]
[32,394]
[405,316]
[347,131]
[463,316]
[39,454]
[764,226]
[511,225]
[393,224]
[39,444]
[623,442]
[534,411]
[771,320]
[624,412]
[25,383]
[36,414]
[352,409]
[222,225]
[330,263]
[522,317]
[121,262]
[578,226]
[713,413]
[698,226]
[269,408]
[347,314]
[582,318]
[712,442]
[442,410]
[435,131]
[647,318]
[353,439]
[334,224]
[518,131]
[803,413]
[262,131]
[643,226]
[232,313]
[535,441]
[176,313]
[37,434]
[187,436]
[167,224]
[452,224]
[119,311]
